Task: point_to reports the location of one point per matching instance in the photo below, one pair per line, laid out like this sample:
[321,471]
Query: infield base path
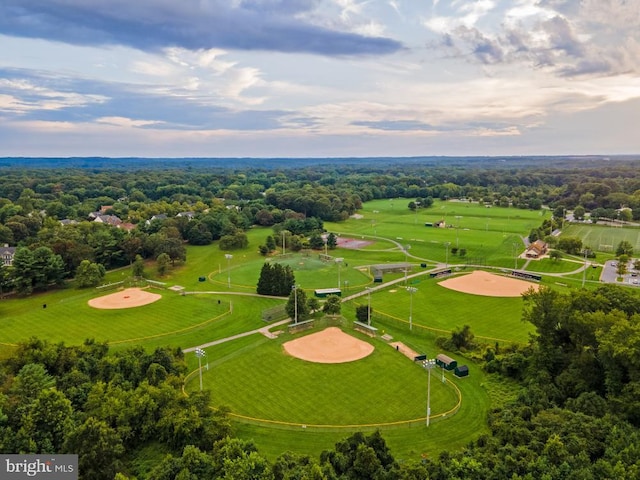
[488,284]
[128,298]
[331,345]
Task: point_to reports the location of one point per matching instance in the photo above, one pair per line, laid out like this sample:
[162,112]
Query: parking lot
[610,275]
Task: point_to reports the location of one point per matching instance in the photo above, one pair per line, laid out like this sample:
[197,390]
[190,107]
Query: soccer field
[604,238]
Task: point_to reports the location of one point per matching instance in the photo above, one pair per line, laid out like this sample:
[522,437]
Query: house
[160,217]
[188,215]
[112,220]
[537,249]
[6,254]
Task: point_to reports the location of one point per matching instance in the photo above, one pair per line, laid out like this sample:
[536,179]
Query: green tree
[363,314]
[332,305]
[162,264]
[297,298]
[270,243]
[624,248]
[555,255]
[89,274]
[99,449]
[578,212]
[137,269]
[570,245]
[332,241]
[313,304]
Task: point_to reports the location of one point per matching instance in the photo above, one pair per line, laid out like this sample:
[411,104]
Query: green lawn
[603,238]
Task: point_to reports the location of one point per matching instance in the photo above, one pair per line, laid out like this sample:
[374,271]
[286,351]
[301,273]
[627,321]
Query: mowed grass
[266,383]
[489,235]
[548,265]
[603,238]
[173,320]
[442,310]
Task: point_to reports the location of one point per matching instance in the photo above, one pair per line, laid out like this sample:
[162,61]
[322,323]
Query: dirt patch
[331,345]
[403,349]
[488,284]
[128,298]
[353,243]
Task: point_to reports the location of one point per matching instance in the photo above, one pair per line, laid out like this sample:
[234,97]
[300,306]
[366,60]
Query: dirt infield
[488,284]
[331,345]
[344,242]
[128,298]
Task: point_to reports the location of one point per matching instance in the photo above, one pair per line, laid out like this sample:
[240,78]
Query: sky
[319,78]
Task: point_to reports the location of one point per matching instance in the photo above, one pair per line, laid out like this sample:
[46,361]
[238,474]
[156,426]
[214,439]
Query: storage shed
[461,371]
[445,362]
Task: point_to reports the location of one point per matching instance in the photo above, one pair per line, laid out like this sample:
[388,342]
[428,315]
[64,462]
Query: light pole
[446,258]
[406,262]
[411,291]
[369,307]
[339,261]
[200,353]
[584,270]
[228,256]
[429,364]
[295,304]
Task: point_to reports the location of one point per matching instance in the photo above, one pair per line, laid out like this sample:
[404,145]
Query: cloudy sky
[319,78]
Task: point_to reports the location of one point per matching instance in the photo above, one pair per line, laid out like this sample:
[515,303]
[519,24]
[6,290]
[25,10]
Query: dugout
[461,371]
[325,292]
[446,362]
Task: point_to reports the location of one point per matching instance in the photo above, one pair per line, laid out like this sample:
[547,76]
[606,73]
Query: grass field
[255,379]
[604,238]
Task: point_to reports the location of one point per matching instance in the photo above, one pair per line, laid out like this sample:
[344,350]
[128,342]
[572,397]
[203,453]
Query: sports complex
[304,389]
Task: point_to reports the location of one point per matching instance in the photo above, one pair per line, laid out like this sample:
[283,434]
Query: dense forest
[60,217]
[577,413]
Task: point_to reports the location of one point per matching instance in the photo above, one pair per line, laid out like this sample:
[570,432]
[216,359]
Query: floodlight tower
[339,261]
[228,256]
[369,307]
[200,353]
[446,261]
[429,364]
[411,291]
[295,304]
[406,262]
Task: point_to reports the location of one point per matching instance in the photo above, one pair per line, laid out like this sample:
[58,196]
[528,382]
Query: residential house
[6,254]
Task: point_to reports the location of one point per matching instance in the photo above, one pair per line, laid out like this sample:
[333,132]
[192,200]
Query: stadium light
[200,353]
[295,303]
[369,308]
[446,258]
[228,256]
[406,262]
[411,291]
[339,261]
[429,364]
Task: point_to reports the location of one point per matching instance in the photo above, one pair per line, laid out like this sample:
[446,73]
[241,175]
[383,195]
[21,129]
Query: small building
[325,292]
[537,249]
[461,371]
[440,224]
[6,254]
[446,362]
[112,220]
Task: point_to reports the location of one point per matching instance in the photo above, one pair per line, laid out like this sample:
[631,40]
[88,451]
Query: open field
[603,238]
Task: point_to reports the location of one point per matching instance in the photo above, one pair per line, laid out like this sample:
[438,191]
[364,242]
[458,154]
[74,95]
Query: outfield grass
[548,265]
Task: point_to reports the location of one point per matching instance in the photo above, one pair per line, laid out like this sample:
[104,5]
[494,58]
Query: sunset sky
[319,78]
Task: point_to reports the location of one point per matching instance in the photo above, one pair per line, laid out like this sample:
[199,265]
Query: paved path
[263,330]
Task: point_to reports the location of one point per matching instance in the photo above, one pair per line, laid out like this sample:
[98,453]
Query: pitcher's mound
[331,345]
[128,298]
[488,284]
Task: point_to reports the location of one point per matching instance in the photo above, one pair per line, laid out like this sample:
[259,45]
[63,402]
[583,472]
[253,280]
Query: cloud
[567,38]
[29,96]
[273,25]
